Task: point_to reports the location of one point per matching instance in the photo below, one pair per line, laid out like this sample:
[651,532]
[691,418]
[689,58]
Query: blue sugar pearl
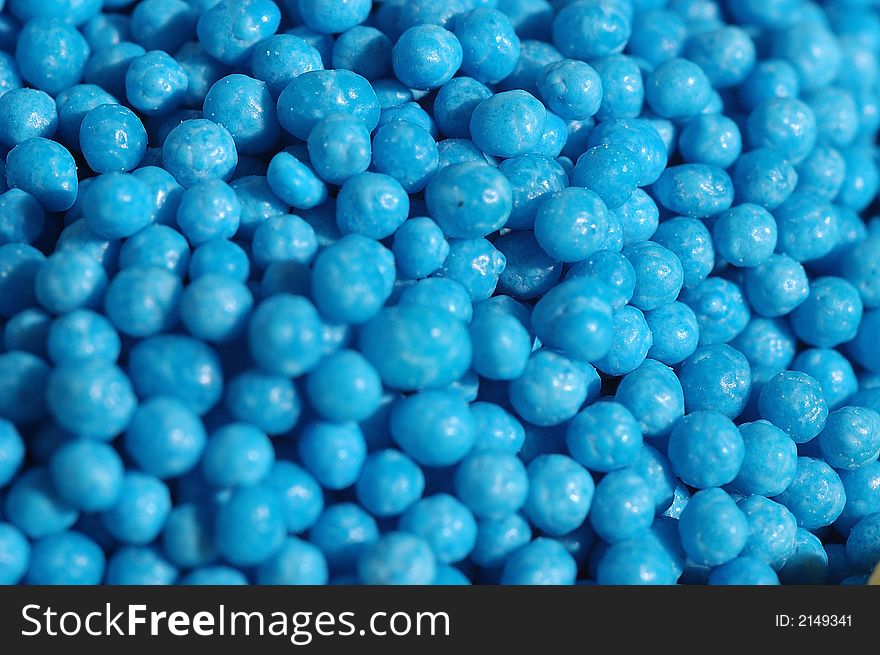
[560,494]
[794,402]
[249,526]
[90,398]
[27,331]
[134,565]
[659,274]
[496,429]
[586,29]
[786,125]
[630,344]
[861,545]
[107,67]
[116,205]
[283,238]
[455,103]
[657,35]
[371,204]
[822,172]
[508,124]
[836,115]
[713,529]
[716,378]
[636,561]
[816,496]
[344,387]
[50,54]
[352,279]
[604,437]
[16,554]
[220,257]
[492,484]
[576,316]
[722,312]
[641,138]
[296,562]
[710,139]
[830,315]
[770,78]
[9,75]
[469,200]
[445,523]
[208,210]
[534,55]
[178,366]
[812,49]
[745,235]
[862,495]
[406,152]
[165,438]
[436,428]
[851,438]
[613,269]
[32,504]
[706,449]
[498,538]
[612,172]
[623,90]
[860,267]
[419,248]
[490,45]
[677,89]
[142,301]
[726,55]
[389,483]
[19,266]
[653,394]
[831,370]
[230,30]
[11,451]
[623,506]
[533,178]
[862,179]
[284,335]
[214,575]
[777,286]
[155,84]
[201,69]
[414,347]
[333,452]
[690,241]
[278,59]
[163,24]
[541,562]
[237,454]
[87,475]
[552,388]
[529,271]
[244,106]
[301,495]
[270,402]
[807,227]
[743,571]
[342,533]
[426,57]
[397,558]
[66,558]
[570,88]
[695,190]
[457,151]
[329,17]
[764,177]
[638,218]
[75,12]
[476,264]
[501,345]
[112,139]
[26,113]
[44,169]
[295,182]
[439,292]
[769,461]
[165,193]
[69,280]
[364,50]
[808,563]
[22,381]
[772,530]
[198,150]
[139,515]
[675,331]
[22,219]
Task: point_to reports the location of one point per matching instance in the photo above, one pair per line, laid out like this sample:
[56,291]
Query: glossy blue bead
[44,169]
[623,506]
[816,496]
[861,545]
[22,381]
[142,301]
[165,438]
[720,308]
[220,257]
[675,331]
[301,495]
[16,554]
[22,219]
[445,523]
[364,50]
[695,190]
[137,565]
[426,56]
[745,235]
[12,451]
[296,562]
[862,495]
[419,248]
[69,280]
[794,402]
[407,152]
[333,452]
[481,27]
[851,438]
[157,246]
[808,562]
[455,103]
[397,558]
[552,388]
[501,344]
[249,526]
[560,494]
[26,113]
[630,344]
[237,454]
[139,515]
[67,558]
[706,449]
[586,29]
[155,84]
[279,58]
[677,89]
[87,475]
[116,205]
[214,575]
[743,570]
[653,394]
[541,562]
[436,428]
[284,333]
[244,106]
[498,538]
[51,54]
[659,274]
[231,29]
[389,483]
[777,286]
[330,17]
[529,271]
[786,125]
[198,150]
[637,561]
[764,177]
[769,460]
[508,124]
[772,530]
[807,227]
[713,529]
[492,484]
[343,532]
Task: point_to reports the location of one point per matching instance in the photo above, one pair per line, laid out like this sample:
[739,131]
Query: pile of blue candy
[439,291]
